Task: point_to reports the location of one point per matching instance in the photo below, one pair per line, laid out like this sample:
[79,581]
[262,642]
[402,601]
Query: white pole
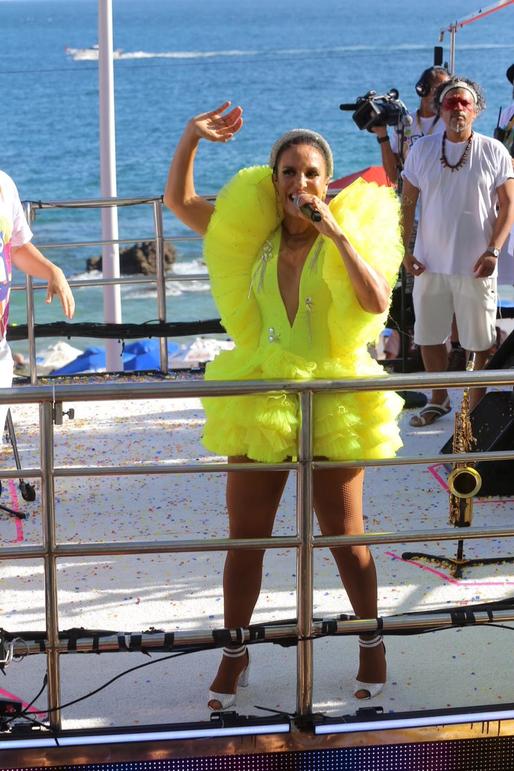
[111,253]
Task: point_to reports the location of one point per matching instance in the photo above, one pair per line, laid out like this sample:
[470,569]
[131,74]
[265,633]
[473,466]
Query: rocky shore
[139,258]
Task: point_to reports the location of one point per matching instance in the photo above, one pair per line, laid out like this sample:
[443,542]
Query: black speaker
[504,356]
[492,423]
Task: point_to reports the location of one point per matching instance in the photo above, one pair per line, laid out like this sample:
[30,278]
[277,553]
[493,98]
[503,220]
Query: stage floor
[453,668]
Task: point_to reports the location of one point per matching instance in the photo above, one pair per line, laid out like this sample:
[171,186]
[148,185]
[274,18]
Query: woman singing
[302,288]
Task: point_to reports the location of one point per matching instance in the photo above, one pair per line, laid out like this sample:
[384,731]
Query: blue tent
[91,360]
[139,355]
[145,354]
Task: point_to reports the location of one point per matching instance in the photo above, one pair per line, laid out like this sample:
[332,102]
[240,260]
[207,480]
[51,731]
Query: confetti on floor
[180,591]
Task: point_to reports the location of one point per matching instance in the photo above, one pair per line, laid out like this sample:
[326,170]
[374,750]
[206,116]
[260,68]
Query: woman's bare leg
[338,505]
[252,502]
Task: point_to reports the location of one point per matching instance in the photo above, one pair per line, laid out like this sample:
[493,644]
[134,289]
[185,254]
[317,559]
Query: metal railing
[48,397]
[160,279]
[304,541]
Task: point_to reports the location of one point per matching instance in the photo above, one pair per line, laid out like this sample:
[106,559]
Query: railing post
[304,558]
[29,301]
[161,278]
[46,443]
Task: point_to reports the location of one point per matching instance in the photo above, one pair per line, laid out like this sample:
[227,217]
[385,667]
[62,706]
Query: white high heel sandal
[228,700]
[373,689]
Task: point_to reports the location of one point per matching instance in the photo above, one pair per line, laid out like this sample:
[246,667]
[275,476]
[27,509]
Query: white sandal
[430,413]
[228,700]
[372,689]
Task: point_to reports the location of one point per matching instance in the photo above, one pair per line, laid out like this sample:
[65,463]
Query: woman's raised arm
[180,194]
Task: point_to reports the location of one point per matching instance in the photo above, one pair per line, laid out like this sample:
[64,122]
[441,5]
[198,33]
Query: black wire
[42,725]
[122,674]
[203,648]
[36,697]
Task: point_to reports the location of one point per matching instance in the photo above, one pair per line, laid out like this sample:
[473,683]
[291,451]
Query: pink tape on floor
[14,503]
[445,576]
[25,704]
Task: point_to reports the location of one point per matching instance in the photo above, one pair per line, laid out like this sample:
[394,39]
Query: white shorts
[6,373]
[437,296]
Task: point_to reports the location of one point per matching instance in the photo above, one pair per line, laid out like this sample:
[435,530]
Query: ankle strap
[234,653]
[371,642]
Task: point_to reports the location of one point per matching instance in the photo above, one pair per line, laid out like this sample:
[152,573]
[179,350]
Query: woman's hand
[371,288]
[327,224]
[215,126]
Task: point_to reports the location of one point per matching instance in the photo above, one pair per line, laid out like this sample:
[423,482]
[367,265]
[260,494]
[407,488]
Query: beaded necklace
[463,158]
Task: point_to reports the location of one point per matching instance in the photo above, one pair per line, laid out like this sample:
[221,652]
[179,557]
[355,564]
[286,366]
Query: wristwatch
[381,140]
[493,250]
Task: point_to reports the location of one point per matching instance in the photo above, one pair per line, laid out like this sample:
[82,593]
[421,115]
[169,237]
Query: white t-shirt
[458,208]
[420,127]
[14,231]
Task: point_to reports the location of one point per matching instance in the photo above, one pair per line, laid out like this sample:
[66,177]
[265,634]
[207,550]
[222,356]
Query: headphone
[510,74]
[424,84]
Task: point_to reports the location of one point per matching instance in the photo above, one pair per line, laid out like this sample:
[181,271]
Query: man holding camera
[505,129]
[464,181]
[425,121]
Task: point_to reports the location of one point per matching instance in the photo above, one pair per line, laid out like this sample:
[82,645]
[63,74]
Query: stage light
[375,720]
[220,724]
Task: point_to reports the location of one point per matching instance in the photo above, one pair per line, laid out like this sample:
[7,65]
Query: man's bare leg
[435,359]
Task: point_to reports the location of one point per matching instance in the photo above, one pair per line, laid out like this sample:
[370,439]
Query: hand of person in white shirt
[412,265]
[485,265]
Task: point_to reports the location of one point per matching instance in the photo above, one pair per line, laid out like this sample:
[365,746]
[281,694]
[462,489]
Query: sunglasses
[454,102]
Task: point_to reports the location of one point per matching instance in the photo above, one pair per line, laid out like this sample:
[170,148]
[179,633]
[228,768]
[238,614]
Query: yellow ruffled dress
[328,338]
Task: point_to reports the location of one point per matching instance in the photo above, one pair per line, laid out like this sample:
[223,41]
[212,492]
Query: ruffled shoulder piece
[369,215]
[245,214]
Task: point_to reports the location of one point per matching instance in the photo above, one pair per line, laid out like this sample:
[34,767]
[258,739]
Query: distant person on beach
[425,121]
[464,181]
[16,249]
[302,289]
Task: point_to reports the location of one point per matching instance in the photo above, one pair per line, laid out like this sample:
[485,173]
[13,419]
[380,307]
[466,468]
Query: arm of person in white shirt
[409,200]
[486,263]
[390,160]
[29,259]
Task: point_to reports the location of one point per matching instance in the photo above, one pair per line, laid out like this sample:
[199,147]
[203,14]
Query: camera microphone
[307,209]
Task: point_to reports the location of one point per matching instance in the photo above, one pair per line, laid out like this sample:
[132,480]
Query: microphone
[307,209]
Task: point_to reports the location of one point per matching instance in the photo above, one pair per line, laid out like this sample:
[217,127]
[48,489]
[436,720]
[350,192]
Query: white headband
[459,84]
[320,141]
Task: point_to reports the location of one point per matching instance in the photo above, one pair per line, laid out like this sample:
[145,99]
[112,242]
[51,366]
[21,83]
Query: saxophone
[464,481]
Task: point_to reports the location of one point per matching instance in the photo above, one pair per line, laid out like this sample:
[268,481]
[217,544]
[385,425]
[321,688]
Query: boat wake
[91,53]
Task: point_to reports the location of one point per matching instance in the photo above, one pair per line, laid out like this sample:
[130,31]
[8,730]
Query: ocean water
[288,63]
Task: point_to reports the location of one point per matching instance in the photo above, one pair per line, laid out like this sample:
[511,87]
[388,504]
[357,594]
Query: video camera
[373,110]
